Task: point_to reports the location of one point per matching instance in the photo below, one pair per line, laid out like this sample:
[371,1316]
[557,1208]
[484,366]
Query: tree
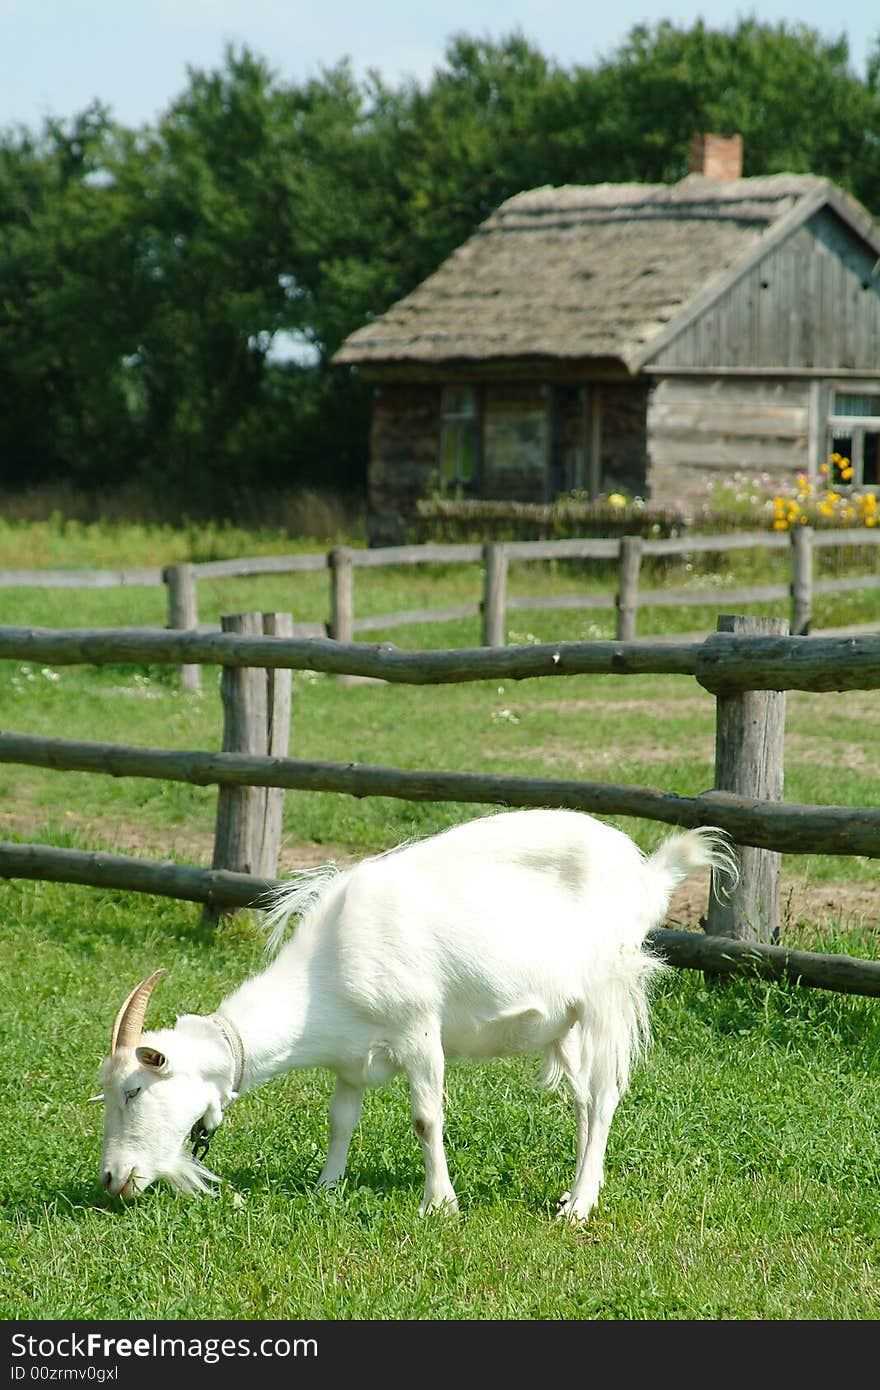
[789,92]
[147,278]
[65,280]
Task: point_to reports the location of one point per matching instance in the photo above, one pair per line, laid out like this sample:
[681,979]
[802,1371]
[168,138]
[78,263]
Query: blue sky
[58,55]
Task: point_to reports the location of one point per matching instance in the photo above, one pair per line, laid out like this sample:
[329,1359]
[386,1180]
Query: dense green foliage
[145,276]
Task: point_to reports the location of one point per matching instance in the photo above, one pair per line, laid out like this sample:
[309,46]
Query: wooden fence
[746,664]
[496,601]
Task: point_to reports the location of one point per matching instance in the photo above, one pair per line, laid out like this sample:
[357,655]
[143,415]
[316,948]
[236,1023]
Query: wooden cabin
[643,338]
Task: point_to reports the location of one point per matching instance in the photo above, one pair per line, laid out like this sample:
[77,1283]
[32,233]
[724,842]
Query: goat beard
[188,1176]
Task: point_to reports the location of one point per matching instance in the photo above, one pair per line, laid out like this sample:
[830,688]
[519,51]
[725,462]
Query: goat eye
[130,1095]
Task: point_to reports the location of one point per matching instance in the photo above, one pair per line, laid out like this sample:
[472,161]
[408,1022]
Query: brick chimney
[717,156]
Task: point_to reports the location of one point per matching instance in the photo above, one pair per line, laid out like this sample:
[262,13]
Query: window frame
[840,427]
[464,427]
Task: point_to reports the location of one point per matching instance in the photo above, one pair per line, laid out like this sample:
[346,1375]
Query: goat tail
[292,898]
[683,854]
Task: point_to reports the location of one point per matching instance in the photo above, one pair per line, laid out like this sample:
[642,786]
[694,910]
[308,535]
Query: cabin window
[458,436]
[854,439]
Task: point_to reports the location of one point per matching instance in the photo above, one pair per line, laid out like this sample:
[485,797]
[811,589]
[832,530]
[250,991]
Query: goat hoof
[446,1206]
[575,1213]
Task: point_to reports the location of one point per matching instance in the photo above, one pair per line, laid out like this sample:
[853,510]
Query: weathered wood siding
[404,454]
[812,302]
[700,427]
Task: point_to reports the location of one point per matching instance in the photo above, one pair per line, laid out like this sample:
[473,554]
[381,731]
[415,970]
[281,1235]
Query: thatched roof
[591,272]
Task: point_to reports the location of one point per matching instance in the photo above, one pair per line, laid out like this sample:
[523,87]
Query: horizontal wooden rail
[693,545]
[846,584]
[585,601]
[720,663]
[416,615]
[728,955]
[790,827]
[221,888]
[855,535]
[95,869]
[726,663]
[79,579]
[459,554]
[259,564]
[584,548]
[146,646]
[711,598]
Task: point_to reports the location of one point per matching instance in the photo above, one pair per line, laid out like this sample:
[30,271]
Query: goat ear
[149,1057]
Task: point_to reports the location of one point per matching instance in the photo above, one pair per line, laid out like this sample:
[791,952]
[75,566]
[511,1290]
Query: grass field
[742,1168]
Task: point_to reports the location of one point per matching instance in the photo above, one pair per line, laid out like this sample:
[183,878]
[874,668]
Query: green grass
[741,1177]
[742,1168]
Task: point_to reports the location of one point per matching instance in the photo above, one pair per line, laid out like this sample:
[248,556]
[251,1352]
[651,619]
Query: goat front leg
[424,1067]
[345,1111]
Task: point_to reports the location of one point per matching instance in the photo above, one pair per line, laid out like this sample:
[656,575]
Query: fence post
[494,593]
[241,810]
[183,612]
[749,732]
[801,580]
[279,686]
[628,587]
[342,594]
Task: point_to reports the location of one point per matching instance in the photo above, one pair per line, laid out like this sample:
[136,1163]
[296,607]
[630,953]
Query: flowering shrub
[739,502]
[759,499]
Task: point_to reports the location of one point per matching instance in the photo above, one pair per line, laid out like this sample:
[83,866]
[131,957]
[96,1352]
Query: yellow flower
[616,500]
[780,524]
[823,467]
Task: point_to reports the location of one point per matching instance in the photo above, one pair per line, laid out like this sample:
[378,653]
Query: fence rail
[219,889]
[744,670]
[785,826]
[181,580]
[721,661]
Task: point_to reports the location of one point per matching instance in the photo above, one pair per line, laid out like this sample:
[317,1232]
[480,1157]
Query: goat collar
[236,1047]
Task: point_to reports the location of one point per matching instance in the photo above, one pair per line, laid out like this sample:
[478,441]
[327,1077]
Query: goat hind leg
[604,1097]
[345,1111]
[573,1056]
[424,1064]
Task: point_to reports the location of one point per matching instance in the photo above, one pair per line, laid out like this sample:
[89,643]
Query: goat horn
[129,1022]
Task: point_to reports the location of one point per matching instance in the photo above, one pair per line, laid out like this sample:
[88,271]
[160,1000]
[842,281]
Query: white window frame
[854,427]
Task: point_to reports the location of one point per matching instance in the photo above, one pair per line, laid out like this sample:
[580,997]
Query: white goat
[518,932]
